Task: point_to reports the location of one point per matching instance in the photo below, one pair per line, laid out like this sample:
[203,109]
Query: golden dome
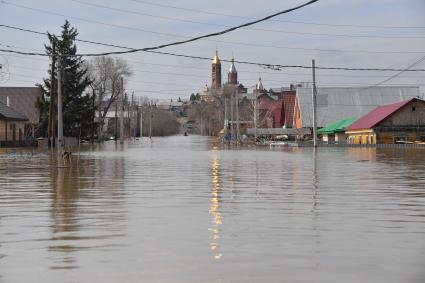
[216,60]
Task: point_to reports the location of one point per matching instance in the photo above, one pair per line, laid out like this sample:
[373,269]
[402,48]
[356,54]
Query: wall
[406,116]
[388,137]
[361,137]
[19,125]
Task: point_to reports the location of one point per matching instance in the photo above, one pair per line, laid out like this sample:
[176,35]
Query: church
[218,89]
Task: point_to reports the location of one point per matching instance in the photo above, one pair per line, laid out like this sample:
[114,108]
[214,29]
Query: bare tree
[105,73]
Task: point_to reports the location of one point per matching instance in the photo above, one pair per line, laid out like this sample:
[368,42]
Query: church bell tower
[216,72]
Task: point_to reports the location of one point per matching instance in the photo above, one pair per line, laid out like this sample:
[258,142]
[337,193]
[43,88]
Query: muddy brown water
[180,209]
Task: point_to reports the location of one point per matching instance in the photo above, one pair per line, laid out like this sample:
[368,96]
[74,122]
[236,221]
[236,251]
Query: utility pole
[51,122]
[237,117]
[141,122]
[122,112]
[225,113]
[150,120]
[255,116]
[314,100]
[232,117]
[60,118]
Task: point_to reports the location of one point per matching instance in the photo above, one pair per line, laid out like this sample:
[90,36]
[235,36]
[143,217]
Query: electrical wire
[239,43]
[274,20]
[250,28]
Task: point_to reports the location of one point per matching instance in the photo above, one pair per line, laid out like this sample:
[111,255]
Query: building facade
[401,122]
[12,126]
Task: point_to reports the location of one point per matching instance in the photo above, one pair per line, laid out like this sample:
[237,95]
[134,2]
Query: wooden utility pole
[122,112]
[255,116]
[60,118]
[232,117]
[150,120]
[237,117]
[51,122]
[314,102]
[225,113]
[141,122]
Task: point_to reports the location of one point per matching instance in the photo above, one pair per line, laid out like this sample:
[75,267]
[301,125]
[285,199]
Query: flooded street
[180,209]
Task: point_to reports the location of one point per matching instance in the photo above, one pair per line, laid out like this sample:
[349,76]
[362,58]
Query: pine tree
[78,106]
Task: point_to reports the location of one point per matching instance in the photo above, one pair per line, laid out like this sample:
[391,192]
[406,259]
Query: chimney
[7,101]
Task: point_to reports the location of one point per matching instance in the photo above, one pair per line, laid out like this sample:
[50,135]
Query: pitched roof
[378,114]
[336,103]
[337,126]
[7,113]
[23,100]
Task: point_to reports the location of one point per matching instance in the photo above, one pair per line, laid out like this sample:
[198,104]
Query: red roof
[377,115]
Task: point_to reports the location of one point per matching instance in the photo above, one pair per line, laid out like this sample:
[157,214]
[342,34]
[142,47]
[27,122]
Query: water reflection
[217,218]
[85,207]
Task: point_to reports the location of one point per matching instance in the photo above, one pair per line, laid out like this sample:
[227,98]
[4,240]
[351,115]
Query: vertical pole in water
[225,113]
[51,123]
[237,117]
[314,102]
[255,117]
[60,119]
[232,117]
[141,122]
[150,120]
[122,112]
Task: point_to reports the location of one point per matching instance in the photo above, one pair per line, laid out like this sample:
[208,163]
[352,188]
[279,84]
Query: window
[422,138]
[400,139]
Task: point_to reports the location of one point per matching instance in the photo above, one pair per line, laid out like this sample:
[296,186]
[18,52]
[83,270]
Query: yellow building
[401,122]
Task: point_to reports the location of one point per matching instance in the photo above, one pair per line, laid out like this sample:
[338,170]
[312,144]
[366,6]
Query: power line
[250,28]
[401,72]
[239,43]
[275,20]
[276,67]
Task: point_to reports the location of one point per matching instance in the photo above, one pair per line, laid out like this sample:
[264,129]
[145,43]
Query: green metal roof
[337,127]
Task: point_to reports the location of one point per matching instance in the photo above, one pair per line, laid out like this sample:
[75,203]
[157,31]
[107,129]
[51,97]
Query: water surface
[180,209]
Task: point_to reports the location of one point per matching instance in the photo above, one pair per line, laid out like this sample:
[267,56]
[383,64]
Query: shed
[335,132]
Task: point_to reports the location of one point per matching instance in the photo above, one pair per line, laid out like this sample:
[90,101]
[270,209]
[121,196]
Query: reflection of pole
[314,100]
[60,120]
[122,112]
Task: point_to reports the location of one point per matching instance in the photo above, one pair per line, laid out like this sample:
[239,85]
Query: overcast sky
[340,33]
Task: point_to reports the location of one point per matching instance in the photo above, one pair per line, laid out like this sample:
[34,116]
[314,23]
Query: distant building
[12,126]
[217,90]
[400,122]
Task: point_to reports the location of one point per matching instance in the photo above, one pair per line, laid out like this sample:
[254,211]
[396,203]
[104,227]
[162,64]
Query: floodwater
[179,209]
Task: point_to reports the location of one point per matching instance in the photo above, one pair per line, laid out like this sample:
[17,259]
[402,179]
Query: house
[23,100]
[335,132]
[400,122]
[337,103]
[12,126]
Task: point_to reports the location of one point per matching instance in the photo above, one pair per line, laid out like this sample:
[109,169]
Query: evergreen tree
[78,108]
